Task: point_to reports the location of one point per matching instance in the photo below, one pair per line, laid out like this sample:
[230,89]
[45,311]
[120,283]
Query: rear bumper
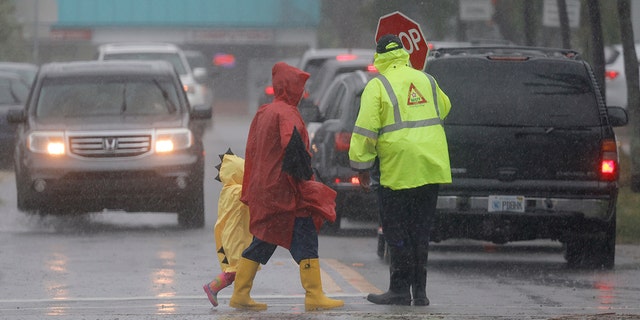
[552,210]
[507,227]
[556,211]
[590,208]
[352,202]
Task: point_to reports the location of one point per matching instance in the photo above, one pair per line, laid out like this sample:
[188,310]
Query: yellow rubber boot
[314,298]
[241,299]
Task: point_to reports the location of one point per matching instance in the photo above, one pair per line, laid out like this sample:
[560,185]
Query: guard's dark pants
[406,217]
[304,244]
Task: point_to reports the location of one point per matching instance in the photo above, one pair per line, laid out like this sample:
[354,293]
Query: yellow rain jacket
[231,231]
[400,122]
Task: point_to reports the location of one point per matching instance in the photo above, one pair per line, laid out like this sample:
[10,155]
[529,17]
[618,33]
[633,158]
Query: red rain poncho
[275,198]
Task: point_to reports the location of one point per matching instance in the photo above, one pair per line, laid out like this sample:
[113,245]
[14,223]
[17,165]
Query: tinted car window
[326,75]
[314,65]
[70,97]
[334,109]
[172,58]
[352,110]
[557,94]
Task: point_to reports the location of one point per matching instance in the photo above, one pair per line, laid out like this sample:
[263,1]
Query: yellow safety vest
[400,122]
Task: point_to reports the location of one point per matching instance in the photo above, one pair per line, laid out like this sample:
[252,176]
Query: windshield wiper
[165,96]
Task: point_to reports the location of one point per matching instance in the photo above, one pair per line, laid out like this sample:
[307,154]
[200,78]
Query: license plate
[506,203]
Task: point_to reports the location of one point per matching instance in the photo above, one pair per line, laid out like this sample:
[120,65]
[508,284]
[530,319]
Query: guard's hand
[365,180]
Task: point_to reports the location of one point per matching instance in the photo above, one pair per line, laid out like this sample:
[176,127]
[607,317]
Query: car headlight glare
[55,148]
[168,140]
[164,146]
[48,142]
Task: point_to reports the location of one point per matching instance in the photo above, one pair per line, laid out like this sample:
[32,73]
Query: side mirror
[201,112]
[200,75]
[16,116]
[618,116]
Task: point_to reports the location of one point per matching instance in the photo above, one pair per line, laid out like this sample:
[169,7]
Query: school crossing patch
[415,97]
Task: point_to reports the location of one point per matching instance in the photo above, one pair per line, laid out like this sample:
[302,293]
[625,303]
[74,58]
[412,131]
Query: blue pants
[304,244]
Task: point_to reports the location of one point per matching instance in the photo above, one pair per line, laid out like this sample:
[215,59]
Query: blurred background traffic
[237,42]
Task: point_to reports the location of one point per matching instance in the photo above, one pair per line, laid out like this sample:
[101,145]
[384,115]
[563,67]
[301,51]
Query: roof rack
[509,50]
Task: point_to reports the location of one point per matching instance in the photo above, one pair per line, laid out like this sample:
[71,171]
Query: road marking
[352,277]
[328,284]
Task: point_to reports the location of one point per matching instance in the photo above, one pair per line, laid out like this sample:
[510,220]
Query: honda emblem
[110,144]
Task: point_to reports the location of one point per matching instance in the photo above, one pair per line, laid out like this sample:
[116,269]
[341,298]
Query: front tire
[25,197]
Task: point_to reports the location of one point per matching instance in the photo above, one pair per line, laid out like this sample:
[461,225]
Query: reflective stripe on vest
[398,123]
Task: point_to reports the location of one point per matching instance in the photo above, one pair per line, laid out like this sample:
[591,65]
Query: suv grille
[110,146]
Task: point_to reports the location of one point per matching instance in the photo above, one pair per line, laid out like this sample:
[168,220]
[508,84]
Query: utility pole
[564,24]
[633,93]
[596,45]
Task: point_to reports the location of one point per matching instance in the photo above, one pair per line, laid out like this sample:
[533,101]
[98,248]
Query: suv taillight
[352,180]
[609,160]
[611,74]
[342,141]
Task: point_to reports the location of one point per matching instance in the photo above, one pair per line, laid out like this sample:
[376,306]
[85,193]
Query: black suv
[109,135]
[330,141]
[532,149]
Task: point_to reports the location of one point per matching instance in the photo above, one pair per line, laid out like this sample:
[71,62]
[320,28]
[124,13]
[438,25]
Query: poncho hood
[288,83]
[231,170]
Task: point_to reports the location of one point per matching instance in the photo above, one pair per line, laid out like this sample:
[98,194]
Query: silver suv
[109,135]
[194,79]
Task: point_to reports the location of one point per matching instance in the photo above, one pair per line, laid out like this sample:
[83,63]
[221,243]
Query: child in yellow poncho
[231,231]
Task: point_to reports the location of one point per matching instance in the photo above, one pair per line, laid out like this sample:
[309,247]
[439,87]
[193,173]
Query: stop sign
[409,32]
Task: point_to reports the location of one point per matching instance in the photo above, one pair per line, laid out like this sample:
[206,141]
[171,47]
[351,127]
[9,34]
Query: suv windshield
[172,58]
[520,93]
[83,96]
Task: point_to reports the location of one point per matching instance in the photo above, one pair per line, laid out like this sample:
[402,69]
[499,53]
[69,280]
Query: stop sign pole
[409,32]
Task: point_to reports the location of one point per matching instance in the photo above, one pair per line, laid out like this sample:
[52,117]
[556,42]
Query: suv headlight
[49,142]
[168,140]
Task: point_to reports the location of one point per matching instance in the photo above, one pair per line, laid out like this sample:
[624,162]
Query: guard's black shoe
[402,299]
[421,301]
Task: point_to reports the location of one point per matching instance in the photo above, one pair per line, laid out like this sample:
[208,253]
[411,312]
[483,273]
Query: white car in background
[615,79]
[194,79]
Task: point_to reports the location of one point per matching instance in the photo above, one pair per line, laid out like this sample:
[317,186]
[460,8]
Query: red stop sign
[409,32]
